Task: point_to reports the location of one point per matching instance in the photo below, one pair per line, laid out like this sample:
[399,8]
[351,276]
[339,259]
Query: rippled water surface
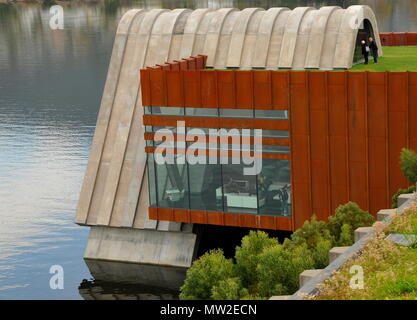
[50,88]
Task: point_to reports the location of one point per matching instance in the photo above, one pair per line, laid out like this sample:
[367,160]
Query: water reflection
[51,84]
[103,290]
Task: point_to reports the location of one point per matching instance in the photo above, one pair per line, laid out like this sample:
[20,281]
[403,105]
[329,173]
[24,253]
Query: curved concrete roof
[256,38]
[114,192]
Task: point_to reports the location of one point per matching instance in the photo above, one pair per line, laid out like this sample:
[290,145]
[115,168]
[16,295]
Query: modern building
[327,137]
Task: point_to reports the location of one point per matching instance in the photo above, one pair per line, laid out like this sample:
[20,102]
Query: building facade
[312,125]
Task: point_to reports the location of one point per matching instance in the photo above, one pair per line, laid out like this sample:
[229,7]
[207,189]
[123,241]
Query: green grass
[394,59]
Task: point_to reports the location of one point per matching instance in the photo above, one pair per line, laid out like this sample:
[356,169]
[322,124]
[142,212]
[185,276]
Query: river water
[50,89]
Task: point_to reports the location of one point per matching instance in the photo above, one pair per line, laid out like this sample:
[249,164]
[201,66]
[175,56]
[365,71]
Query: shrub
[205,273]
[345,238]
[316,237]
[408,162]
[264,267]
[410,189]
[320,254]
[247,256]
[279,269]
[310,234]
[229,289]
[353,216]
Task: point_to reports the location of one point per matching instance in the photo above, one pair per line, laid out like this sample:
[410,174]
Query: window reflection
[274,187]
[239,190]
[205,180]
[172,185]
[222,187]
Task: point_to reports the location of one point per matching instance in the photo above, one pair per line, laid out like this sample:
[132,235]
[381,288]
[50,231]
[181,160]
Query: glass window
[168,111]
[151,180]
[275,149]
[239,190]
[274,188]
[202,112]
[172,184]
[274,114]
[165,129]
[205,187]
[236,113]
[147,110]
[275,134]
[205,130]
[148,129]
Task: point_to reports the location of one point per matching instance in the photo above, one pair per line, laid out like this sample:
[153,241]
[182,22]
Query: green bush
[205,273]
[345,238]
[229,289]
[320,254]
[247,256]
[410,189]
[263,267]
[316,237]
[353,216]
[310,234]
[408,162]
[279,269]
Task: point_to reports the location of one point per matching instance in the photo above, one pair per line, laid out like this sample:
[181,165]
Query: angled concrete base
[145,275]
[166,248]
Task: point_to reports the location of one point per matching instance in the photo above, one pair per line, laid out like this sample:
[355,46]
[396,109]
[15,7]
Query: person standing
[373,46]
[365,50]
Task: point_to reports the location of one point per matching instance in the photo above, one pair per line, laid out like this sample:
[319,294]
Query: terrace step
[362,231]
[385,213]
[279,298]
[306,275]
[403,198]
[335,252]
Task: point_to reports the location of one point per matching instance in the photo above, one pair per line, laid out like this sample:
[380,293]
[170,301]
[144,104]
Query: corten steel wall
[398,38]
[346,132]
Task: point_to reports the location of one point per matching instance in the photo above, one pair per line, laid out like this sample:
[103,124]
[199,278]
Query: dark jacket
[373,46]
[364,49]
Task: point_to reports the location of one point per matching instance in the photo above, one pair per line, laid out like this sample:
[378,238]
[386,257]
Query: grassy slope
[390,271]
[394,59]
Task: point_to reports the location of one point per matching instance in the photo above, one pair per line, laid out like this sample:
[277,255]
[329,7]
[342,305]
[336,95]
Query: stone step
[362,231]
[335,252]
[403,198]
[306,275]
[279,298]
[385,213]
